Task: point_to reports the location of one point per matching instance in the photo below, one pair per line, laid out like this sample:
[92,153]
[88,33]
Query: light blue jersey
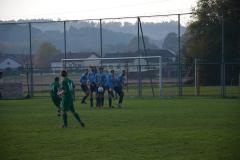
[84,78]
[120,80]
[98,79]
[110,81]
[92,77]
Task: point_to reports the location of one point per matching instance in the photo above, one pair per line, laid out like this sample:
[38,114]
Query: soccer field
[154,129]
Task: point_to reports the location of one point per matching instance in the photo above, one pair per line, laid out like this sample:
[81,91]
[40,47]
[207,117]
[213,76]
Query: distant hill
[81,36]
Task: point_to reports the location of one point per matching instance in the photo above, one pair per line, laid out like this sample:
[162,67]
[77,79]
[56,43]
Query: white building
[9,63]
[57,64]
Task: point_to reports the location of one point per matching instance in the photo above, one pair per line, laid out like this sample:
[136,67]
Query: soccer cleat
[120,105]
[82,124]
[84,103]
[64,126]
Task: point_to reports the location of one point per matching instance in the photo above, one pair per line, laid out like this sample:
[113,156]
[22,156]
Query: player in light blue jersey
[103,83]
[84,86]
[118,88]
[110,87]
[93,84]
[99,91]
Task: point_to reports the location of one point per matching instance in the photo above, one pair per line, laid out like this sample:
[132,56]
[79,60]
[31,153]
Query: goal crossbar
[118,58]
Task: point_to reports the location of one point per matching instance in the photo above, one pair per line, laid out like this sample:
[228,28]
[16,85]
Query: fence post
[139,67]
[222,59]
[30,59]
[101,41]
[179,60]
[196,78]
[160,77]
[65,44]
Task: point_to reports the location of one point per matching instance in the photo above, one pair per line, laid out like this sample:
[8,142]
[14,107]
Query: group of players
[93,81]
[63,96]
[99,81]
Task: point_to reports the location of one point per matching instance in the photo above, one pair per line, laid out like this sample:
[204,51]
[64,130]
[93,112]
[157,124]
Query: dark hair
[56,79]
[112,71]
[64,73]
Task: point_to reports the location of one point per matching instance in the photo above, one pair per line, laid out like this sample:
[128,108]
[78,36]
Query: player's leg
[64,116]
[115,93]
[97,100]
[92,89]
[57,102]
[77,117]
[110,96]
[102,98]
[86,92]
[121,94]
[58,108]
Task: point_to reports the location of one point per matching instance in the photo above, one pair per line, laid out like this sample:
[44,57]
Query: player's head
[56,79]
[112,71]
[64,73]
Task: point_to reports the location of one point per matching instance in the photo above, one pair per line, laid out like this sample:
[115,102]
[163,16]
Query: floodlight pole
[222,59]
[139,66]
[179,60]
[145,53]
[31,64]
[65,43]
[101,41]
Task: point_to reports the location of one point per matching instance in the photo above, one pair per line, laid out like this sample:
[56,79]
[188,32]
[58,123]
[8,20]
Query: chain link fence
[31,53]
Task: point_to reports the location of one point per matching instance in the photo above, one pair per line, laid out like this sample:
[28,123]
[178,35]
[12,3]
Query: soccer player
[119,87]
[67,94]
[103,83]
[84,86]
[100,80]
[93,85]
[56,99]
[110,84]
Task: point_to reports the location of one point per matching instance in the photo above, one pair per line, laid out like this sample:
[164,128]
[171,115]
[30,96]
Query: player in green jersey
[68,97]
[56,99]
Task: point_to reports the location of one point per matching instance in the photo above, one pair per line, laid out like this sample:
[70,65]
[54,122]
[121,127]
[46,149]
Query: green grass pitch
[154,129]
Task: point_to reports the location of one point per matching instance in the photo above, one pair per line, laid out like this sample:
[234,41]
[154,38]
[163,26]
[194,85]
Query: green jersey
[67,86]
[54,89]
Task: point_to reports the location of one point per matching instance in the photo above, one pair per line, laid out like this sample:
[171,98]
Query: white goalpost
[136,64]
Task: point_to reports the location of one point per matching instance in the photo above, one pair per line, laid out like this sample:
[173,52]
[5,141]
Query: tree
[171,42]
[44,55]
[133,44]
[203,38]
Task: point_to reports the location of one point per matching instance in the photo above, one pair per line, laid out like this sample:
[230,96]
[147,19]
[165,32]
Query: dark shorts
[85,88]
[119,90]
[56,100]
[93,87]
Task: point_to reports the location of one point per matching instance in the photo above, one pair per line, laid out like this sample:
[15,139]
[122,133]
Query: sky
[89,9]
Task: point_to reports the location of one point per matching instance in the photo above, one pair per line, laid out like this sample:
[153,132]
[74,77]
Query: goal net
[143,74]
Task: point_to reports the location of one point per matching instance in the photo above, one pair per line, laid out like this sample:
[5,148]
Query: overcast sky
[89,9]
